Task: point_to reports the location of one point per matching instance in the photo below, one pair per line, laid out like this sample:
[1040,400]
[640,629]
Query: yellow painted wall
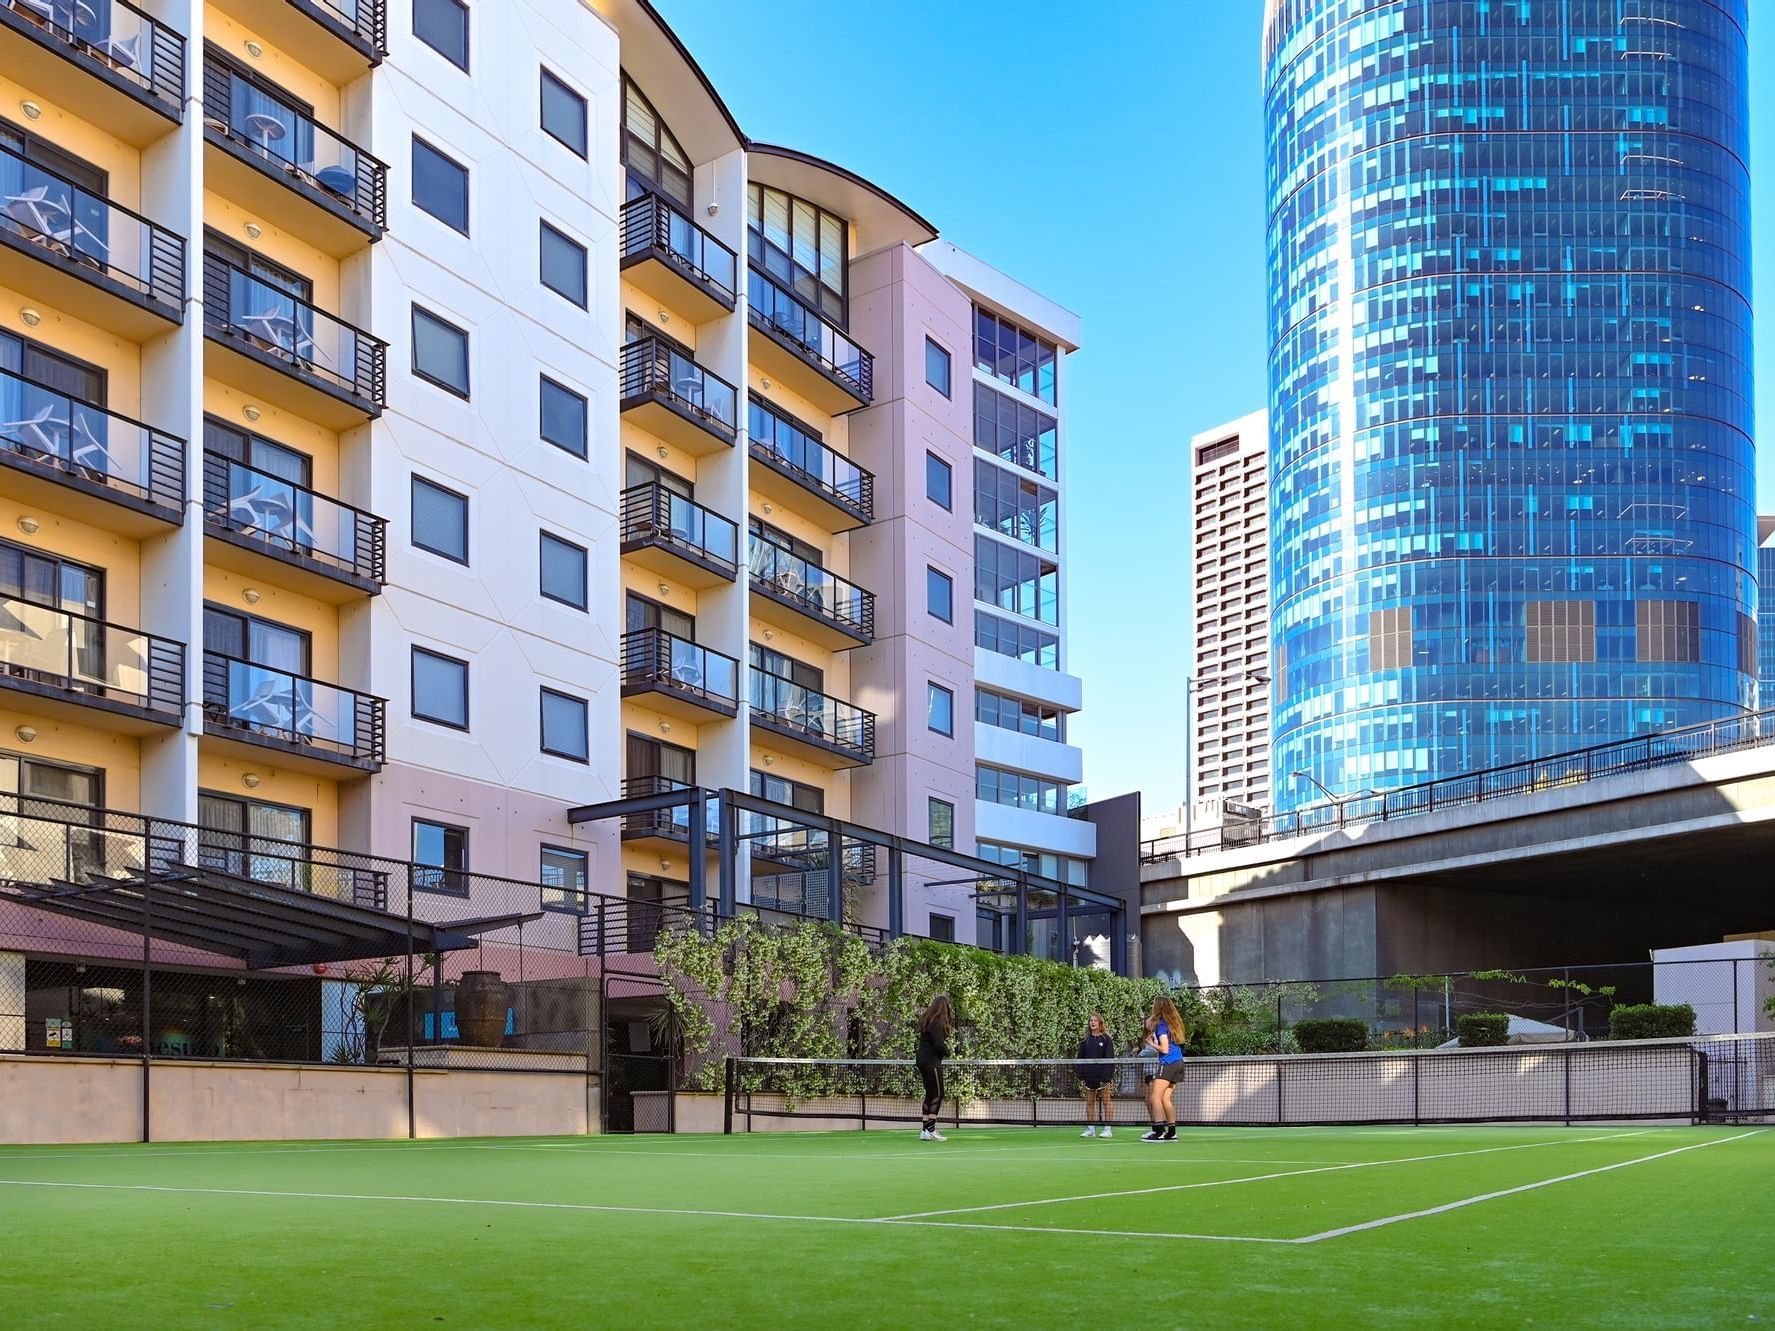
[792,767]
[767,614]
[645,582]
[833,430]
[643,720]
[645,445]
[280,605]
[119,556]
[646,860]
[61,125]
[279,246]
[222,775]
[232,37]
[676,325]
[226,402]
[61,741]
[120,357]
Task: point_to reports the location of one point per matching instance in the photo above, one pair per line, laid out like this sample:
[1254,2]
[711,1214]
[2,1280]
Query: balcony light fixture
[768,510]
[250,595]
[664,452]
[250,780]
[26,734]
[764,384]
[255,50]
[31,110]
[251,412]
[28,526]
[769,761]
[253,230]
[665,589]
[31,317]
[665,866]
[665,727]
[770,635]
[664,317]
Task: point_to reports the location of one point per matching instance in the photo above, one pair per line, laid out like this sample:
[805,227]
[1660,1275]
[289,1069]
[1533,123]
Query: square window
[940,709]
[443,26]
[936,367]
[563,571]
[942,928]
[564,880]
[563,113]
[440,689]
[939,594]
[939,481]
[440,186]
[440,858]
[564,726]
[563,265]
[440,520]
[440,352]
[940,822]
[563,417]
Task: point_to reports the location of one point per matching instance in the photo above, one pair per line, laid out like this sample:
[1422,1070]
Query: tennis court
[1631,1226]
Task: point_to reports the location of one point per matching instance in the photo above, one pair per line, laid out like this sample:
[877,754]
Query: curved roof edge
[918,221]
[690,62]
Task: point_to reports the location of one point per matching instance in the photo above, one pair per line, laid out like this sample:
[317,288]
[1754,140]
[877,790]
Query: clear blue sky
[1111,156]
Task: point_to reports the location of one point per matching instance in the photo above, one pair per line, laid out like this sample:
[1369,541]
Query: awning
[263,925]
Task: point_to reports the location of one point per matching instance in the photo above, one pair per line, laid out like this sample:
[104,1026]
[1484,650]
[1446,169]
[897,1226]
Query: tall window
[443,26]
[1016,580]
[440,352]
[440,688]
[1016,431]
[1021,642]
[564,879]
[1015,355]
[939,594]
[1016,506]
[564,726]
[936,367]
[802,245]
[563,113]
[440,857]
[563,265]
[939,481]
[940,822]
[656,163]
[563,417]
[940,709]
[563,570]
[440,186]
[440,520]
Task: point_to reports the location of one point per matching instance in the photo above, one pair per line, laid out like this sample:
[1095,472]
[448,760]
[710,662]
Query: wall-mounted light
[665,589]
[31,317]
[770,635]
[714,209]
[28,526]
[26,734]
[768,510]
[665,727]
[253,230]
[255,50]
[250,595]
[251,412]
[664,317]
[250,780]
[769,761]
[664,452]
[665,866]
[31,109]
[765,384]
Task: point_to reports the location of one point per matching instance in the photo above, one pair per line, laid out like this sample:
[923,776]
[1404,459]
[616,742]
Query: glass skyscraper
[1511,491]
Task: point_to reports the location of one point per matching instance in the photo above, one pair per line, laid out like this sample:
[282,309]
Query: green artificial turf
[638,1232]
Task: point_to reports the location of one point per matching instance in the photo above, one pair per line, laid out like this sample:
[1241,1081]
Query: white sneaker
[924,1134]
[1089,1132]
[1107,1132]
[935,1137]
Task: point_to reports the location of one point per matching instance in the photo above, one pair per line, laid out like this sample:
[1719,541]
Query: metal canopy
[263,925]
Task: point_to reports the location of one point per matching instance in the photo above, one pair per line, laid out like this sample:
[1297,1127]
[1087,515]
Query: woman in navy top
[1097,1079]
[1165,1034]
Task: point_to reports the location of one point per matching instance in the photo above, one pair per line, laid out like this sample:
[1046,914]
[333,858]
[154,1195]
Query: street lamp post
[1190,684]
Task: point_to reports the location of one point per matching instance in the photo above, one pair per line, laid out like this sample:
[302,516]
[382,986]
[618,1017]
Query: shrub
[1479,1030]
[1332,1035]
[1651,1021]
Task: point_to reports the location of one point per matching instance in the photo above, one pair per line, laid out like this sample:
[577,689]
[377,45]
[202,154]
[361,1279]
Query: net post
[1567,1070]
[147,991]
[727,1096]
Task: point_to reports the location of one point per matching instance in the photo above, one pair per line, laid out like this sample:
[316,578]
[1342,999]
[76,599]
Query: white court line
[1510,1192]
[1250,1178]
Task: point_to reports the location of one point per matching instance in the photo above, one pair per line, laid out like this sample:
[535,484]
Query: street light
[1190,684]
[1322,788]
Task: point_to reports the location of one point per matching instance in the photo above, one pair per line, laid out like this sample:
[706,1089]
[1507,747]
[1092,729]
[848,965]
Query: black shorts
[1089,1086]
[1171,1072]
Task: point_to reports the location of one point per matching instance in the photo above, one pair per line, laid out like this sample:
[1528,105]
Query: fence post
[1567,1070]
[1279,1019]
[412,1117]
[1417,1111]
[1735,1027]
[727,1096]
[147,994]
[1567,991]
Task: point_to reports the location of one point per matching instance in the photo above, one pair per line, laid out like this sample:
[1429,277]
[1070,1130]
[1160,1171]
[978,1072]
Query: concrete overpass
[1572,867]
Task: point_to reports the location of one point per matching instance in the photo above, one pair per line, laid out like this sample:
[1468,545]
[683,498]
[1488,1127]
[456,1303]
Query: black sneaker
[1171,1134]
[1152,1135]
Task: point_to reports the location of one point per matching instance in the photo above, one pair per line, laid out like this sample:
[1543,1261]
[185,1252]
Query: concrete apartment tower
[420,419]
[1510,381]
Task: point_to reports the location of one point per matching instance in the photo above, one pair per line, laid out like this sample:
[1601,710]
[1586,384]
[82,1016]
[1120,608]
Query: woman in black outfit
[934,1028]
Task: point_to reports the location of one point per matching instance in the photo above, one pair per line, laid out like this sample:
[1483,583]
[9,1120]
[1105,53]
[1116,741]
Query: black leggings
[933,1091]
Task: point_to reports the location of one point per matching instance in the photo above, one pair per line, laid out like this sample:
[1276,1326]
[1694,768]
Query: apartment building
[426,426]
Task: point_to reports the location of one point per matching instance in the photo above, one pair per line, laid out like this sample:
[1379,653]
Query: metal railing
[118,36]
[673,822]
[1643,753]
[253,312]
[653,658]
[813,715]
[70,222]
[653,367]
[51,646]
[776,309]
[51,429]
[783,445]
[281,705]
[649,223]
[652,513]
[367,19]
[289,141]
[286,517]
[625,926]
[814,590]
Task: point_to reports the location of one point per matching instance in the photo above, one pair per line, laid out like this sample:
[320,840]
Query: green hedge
[1651,1021]
[1479,1030]
[1332,1035]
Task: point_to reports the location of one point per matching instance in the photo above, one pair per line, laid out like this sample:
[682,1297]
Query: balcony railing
[650,224]
[366,19]
[290,141]
[811,715]
[291,708]
[71,223]
[673,823]
[787,448]
[653,513]
[77,439]
[56,648]
[311,341]
[811,589]
[653,367]
[776,309]
[116,35]
[653,658]
[293,519]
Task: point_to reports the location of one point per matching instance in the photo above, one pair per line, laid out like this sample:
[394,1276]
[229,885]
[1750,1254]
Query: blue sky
[1111,156]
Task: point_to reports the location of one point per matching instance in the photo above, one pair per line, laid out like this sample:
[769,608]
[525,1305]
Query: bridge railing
[1642,753]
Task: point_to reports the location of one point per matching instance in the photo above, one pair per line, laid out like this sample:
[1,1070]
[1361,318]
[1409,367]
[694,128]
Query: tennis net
[1728,1078]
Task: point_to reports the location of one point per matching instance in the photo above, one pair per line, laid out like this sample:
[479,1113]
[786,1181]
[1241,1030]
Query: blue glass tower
[1512,505]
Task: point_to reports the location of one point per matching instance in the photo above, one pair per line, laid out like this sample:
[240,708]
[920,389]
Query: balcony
[813,724]
[668,534]
[93,464]
[85,255]
[797,467]
[276,160]
[337,39]
[835,613]
[805,349]
[317,725]
[669,395]
[657,824]
[679,678]
[676,262]
[281,348]
[135,64]
[336,551]
[76,666]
